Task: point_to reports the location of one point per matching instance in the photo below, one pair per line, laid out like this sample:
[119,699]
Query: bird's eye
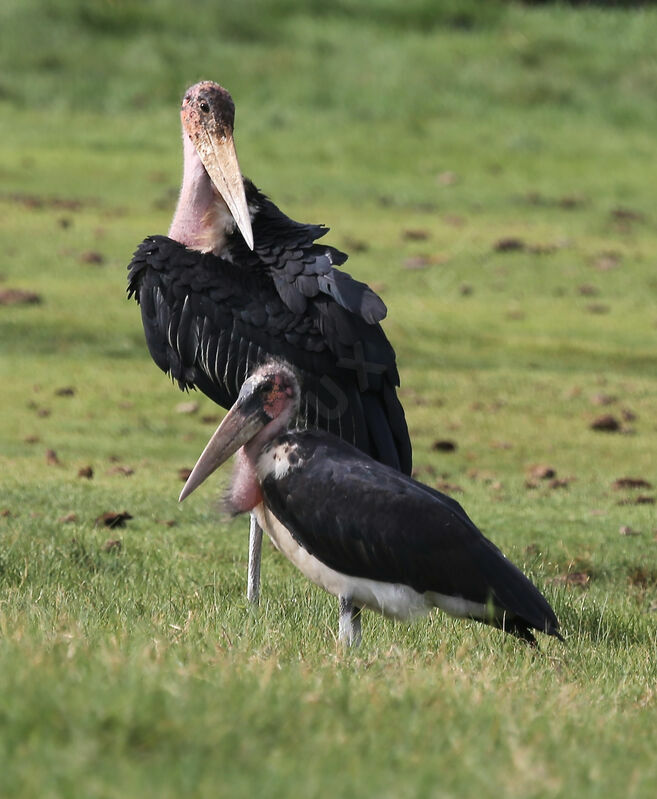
[204,106]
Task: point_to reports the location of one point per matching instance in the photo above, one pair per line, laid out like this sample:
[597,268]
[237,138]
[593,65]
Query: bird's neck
[245,488]
[202,219]
[244,493]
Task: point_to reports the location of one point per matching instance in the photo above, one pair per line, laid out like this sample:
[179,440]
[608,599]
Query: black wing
[363,519]
[300,268]
[208,321]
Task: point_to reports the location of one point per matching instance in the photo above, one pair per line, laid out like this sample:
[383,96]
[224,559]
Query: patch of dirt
[509,244]
[628,215]
[630,482]
[444,445]
[92,257]
[641,499]
[569,202]
[603,399]
[424,261]
[448,488]
[114,519]
[51,458]
[34,201]
[19,297]
[126,471]
[606,260]
[454,220]
[415,234]
[561,482]
[187,407]
[447,178]
[541,471]
[607,423]
[598,308]
[355,245]
[542,249]
[642,577]
[484,475]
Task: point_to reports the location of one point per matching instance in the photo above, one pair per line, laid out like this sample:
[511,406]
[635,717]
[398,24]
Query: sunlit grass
[130,662]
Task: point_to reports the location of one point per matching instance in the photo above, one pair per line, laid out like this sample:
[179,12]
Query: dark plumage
[237,281]
[209,320]
[366,520]
[363,531]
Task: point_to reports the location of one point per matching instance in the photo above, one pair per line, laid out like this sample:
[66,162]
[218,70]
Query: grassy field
[491,169]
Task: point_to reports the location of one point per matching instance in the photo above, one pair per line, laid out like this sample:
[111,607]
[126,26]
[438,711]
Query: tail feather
[516,594]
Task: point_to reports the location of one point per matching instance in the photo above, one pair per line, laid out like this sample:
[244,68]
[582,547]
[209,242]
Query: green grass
[141,671]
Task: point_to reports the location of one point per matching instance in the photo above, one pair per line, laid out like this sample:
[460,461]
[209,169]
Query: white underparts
[391,599]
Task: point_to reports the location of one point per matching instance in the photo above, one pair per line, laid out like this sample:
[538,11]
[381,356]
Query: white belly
[391,599]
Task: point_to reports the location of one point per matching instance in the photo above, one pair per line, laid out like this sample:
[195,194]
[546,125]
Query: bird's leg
[356,636]
[349,625]
[255,553]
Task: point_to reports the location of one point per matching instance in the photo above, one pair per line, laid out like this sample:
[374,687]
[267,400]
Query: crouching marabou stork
[363,531]
[236,282]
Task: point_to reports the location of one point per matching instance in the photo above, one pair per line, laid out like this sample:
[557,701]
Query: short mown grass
[491,170]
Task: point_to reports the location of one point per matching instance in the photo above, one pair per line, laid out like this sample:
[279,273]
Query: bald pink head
[212,199]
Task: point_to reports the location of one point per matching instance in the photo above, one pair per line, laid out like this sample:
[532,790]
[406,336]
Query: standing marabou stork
[236,282]
[363,531]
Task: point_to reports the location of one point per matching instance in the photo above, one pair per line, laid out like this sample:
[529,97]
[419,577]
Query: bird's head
[208,116]
[267,403]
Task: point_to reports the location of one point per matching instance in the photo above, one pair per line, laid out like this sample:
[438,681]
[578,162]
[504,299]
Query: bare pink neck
[245,492]
[195,200]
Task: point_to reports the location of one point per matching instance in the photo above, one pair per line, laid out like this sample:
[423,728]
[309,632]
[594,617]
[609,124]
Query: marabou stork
[367,533]
[236,282]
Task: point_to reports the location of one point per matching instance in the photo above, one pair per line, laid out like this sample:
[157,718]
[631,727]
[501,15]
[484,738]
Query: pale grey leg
[255,553]
[349,632]
[356,636]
